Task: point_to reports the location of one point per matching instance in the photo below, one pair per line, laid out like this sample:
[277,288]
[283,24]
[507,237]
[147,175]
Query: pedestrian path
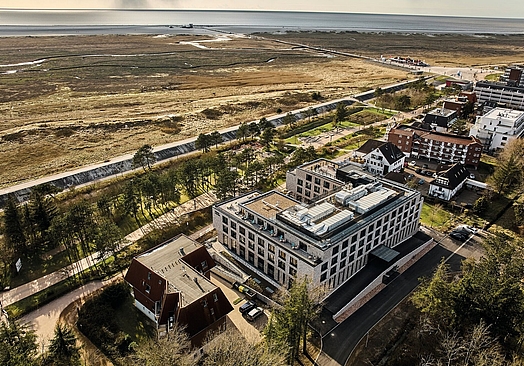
[172,217]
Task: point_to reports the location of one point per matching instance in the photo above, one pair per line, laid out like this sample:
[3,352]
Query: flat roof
[505,113]
[166,261]
[270,204]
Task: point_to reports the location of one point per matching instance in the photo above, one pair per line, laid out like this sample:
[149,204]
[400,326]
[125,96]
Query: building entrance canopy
[384,253]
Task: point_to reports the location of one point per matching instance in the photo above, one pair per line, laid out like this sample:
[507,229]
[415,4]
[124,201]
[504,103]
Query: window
[204,264]
[308,193]
[345,244]
[326,184]
[344,254]
[317,181]
[309,177]
[271,257]
[224,220]
[323,277]
[334,261]
[281,265]
[224,229]
[299,189]
[316,189]
[233,225]
[300,182]
[333,271]
[292,271]
[271,248]
[148,288]
[324,267]
[335,250]
[293,261]
[148,275]
[260,241]
[282,255]
[204,303]
[242,230]
[251,236]
[215,297]
[308,185]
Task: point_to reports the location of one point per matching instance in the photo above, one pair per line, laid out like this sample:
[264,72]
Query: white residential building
[329,240]
[449,182]
[497,127]
[381,157]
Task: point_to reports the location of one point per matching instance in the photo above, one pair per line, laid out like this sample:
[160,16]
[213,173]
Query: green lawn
[493,77]
[434,216]
[133,322]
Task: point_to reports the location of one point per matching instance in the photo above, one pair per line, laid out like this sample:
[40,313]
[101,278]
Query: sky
[483,8]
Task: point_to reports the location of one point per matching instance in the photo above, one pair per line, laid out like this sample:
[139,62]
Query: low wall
[376,286]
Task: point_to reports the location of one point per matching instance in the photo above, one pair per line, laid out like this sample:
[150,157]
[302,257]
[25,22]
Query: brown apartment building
[171,285]
[436,146]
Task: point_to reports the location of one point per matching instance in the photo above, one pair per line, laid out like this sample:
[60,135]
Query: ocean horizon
[122,21]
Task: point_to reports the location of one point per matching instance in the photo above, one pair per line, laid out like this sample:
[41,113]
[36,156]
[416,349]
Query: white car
[469,229]
[413,163]
[255,313]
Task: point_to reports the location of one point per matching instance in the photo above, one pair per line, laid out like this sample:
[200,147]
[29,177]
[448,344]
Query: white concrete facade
[328,241]
[497,127]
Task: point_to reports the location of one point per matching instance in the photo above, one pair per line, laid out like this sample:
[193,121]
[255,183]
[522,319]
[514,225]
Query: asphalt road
[351,331]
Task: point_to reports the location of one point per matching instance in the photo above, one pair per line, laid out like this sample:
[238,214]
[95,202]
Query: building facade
[501,94]
[311,180]
[436,146]
[449,182]
[328,240]
[497,127]
[171,284]
[381,157]
[440,119]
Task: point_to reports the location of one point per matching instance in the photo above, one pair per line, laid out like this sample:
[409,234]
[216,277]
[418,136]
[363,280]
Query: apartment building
[436,146]
[497,127]
[440,118]
[313,179]
[329,240]
[501,94]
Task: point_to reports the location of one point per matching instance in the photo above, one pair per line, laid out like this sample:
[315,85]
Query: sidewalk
[31,288]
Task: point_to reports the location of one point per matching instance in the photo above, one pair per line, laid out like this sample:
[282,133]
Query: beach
[70,101]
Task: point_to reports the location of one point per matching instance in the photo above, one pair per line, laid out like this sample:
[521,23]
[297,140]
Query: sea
[17,22]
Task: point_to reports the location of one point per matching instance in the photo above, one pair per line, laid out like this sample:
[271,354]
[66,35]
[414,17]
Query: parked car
[247,307]
[410,176]
[458,235]
[425,166]
[421,181]
[412,163]
[418,170]
[467,228]
[472,176]
[254,313]
[429,173]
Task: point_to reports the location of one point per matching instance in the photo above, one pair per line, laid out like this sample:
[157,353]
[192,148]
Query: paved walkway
[30,288]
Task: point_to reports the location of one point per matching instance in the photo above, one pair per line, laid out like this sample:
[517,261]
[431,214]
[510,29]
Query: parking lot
[250,330]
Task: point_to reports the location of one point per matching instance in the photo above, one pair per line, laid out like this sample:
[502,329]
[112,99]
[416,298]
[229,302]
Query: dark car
[418,170]
[459,234]
[248,306]
[429,173]
[425,166]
